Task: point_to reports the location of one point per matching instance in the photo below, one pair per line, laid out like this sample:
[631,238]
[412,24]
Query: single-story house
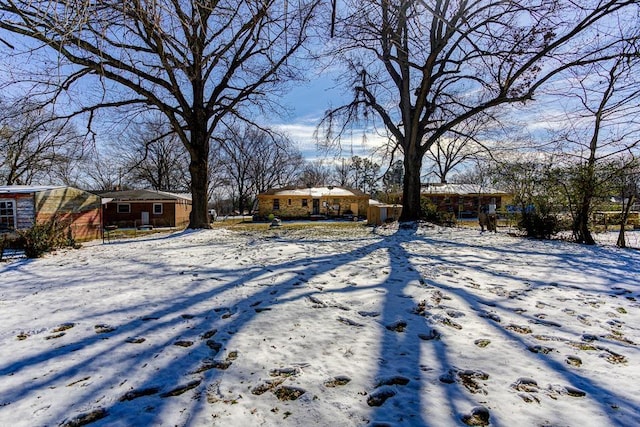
[380,213]
[137,208]
[464,200]
[313,202]
[22,206]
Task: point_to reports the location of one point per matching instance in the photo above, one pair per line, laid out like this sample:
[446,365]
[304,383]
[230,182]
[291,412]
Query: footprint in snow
[384,391]
[527,385]
[519,329]
[210,333]
[54,336]
[399,326]
[470,379]
[337,381]
[57,332]
[349,322]
[369,313]
[432,335]
[539,349]
[103,329]
[541,321]
[479,416]
[482,343]
[446,321]
[491,316]
[574,361]
[286,393]
[64,327]
[86,418]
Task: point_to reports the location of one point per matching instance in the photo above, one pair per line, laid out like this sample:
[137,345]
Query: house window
[304,203]
[276,204]
[124,208]
[289,202]
[7,215]
[157,208]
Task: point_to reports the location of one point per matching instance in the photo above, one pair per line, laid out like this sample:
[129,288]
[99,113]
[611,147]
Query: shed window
[124,208]
[289,202]
[157,208]
[276,204]
[7,215]
[304,203]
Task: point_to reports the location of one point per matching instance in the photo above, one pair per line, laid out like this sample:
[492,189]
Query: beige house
[313,202]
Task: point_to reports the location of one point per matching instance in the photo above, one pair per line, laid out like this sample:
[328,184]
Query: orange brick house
[464,200]
[136,208]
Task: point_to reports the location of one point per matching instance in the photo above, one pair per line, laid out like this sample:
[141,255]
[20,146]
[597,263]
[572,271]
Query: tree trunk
[199,169]
[581,223]
[411,207]
[622,243]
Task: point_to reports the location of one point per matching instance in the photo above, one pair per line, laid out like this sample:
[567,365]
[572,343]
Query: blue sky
[308,102]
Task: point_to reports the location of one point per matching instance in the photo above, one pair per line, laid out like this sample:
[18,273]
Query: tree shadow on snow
[412,377]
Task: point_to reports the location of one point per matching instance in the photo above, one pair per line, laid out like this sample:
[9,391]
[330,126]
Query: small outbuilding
[146,208]
[313,202]
[381,213]
[22,206]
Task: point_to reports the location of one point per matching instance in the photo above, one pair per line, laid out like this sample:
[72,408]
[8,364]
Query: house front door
[316,207]
[145,218]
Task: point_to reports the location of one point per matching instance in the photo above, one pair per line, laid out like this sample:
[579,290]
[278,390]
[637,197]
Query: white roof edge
[22,189]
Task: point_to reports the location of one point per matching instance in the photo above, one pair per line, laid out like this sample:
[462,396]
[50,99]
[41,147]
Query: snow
[316,326]
[316,192]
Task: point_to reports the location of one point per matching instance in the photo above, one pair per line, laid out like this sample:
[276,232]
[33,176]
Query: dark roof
[141,195]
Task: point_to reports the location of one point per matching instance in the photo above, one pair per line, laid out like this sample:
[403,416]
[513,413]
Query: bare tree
[605,125]
[458,146]
[197,62]
[316,173]
[423,68]
[36,147]
[342,172]
[156,158]
[254,160]
[627,183]
[106,170]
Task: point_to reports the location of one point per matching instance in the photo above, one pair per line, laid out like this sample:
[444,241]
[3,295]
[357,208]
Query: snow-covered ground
[322,327]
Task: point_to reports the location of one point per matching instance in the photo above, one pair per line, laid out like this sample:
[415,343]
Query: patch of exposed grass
[250,226]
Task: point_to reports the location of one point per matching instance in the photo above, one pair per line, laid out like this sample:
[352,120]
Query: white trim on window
[7,214]
[124,208]
[157,208]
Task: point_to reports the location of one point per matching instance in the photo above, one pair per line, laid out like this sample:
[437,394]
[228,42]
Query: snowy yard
[322,327]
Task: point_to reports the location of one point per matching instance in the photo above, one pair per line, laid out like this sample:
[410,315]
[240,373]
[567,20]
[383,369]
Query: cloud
[357,142]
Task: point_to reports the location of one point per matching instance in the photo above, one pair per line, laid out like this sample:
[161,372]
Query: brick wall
[292,206]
